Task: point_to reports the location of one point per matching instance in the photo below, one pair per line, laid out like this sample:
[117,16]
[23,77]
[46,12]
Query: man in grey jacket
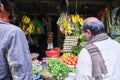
[15,60]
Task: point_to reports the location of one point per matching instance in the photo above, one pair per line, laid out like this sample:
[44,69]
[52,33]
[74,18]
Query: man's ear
[89,34]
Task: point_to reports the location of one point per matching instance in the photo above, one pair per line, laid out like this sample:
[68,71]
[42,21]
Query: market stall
[55,68]
[70,17]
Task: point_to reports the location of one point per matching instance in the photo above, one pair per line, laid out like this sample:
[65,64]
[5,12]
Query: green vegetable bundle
[76,49]
[36,69]
[57,69]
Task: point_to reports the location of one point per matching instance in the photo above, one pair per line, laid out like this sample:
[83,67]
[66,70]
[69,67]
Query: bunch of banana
[25,19]
[29,29]
[80,20]
[67,28]
[64,25]
[76,18]
[26,25]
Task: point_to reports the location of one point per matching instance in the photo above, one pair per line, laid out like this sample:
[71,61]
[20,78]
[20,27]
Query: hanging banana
[66,21]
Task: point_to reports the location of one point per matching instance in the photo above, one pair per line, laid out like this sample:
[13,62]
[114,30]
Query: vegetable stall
[55,68]
[64,66]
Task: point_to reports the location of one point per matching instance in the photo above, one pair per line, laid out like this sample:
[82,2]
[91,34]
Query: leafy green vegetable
[57,69]
[36,69]
[76,49]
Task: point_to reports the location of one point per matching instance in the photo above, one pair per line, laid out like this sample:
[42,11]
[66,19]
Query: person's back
[100,58]
[110,51]
[15,61]
[5,33]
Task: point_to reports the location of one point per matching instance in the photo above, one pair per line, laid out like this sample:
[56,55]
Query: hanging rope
[76,7]
[86,10]
[67,6]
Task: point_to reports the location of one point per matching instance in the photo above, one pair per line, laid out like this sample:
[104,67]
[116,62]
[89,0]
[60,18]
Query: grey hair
[96,27]
[50,33]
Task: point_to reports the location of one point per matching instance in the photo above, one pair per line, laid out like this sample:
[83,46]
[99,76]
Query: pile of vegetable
[76,49]
[58,69]
[69,59]
[36,69]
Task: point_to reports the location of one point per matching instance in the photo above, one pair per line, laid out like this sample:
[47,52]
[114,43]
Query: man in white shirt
[49,43]
[109,54]
[50,40]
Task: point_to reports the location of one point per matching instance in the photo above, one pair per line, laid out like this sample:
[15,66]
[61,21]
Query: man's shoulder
[10,27]
[10,30]
[13,27]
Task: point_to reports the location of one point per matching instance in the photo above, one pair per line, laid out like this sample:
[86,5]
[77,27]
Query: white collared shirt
[50,46]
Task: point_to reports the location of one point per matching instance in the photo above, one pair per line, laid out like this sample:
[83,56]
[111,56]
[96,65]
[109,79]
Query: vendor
[49,43]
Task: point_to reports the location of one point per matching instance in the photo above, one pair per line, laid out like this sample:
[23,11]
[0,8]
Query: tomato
[67,58]
[77,57]
[66,61]
[69,63]
[73,62]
